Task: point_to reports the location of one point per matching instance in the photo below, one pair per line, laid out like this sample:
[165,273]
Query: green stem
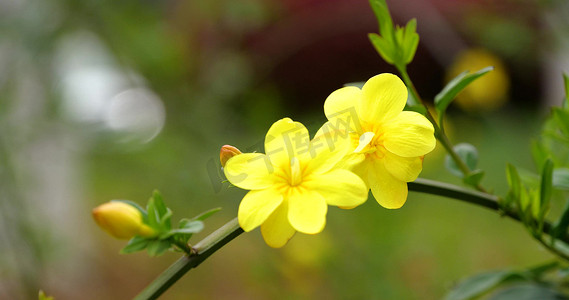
[231,230]
[439,131]
[202,250]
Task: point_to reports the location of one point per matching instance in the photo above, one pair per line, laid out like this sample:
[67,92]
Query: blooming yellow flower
[387,143]
[121,220]
[292,184]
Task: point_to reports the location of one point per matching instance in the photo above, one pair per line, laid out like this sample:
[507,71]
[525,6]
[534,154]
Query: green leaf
[478,284]
[539,153]
[205,214]
[410,41]
[186,227]
[469,155]
[384,20]
[157,247]
[562,224]
[153,217]
[165,221]
[383,47]
[474,177]
[455,86]
[159,204]
[528,291]
[545,189]
[135,244]
[514,181]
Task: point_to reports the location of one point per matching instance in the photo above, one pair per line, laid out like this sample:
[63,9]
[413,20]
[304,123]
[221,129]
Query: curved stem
[202,250]
[439,131]
[231,230]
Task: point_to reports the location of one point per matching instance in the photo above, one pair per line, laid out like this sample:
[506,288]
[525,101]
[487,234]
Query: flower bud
[121,220]
[226,153]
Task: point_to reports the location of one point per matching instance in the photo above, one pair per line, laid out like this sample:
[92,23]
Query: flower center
[295,172]
[371,142]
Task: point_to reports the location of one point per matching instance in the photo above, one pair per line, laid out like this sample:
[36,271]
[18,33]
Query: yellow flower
[487,93]
[121,220]
[387,143]
[292,184]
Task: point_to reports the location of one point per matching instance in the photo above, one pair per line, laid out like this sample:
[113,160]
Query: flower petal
[339,188]
[307,211]
[250,171]
[343,107]
[326,150]
[387,190]
[403,168]
[256,207]
[284,140]
[277,230]
[410,134]
[384,97]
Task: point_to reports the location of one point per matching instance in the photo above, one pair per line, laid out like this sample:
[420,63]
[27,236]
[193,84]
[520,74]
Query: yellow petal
[250,171]
[384,97]
[339,188]
[327,150]
[276,230]
[256,207]
[387,190]
[403,168]
[342,107]
[284,140]
[307,211]
[410,134]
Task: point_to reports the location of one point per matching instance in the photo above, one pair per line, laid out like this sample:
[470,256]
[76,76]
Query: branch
[202,250]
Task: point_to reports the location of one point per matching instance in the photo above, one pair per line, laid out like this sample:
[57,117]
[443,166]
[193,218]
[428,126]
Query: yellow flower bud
[226,153]
[121,220]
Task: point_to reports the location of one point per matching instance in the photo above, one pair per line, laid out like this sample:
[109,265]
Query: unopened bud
[121,220]
[226,153]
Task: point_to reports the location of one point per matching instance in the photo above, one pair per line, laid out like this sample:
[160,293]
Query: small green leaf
[562,224]
[469,155]
[384,20]
[159,204]
[165,221]
[478,285]
[513,180]
[546,188]
[539,153]
[455,86]
[474,177]
[157,247]
[206,214]
[528,291]
[383,47]
[153,217]
[135,244]
[410,41]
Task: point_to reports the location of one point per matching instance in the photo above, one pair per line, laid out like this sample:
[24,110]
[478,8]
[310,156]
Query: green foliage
[396,45]
[528,291]
[469,155]
[454,87]
[484,283]
[159,218]
[479,284]
[560,227]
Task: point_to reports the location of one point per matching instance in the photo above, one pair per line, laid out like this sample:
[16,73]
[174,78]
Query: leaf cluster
[159,217]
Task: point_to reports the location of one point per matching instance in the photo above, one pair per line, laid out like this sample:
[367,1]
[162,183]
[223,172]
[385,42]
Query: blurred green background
[104,100]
